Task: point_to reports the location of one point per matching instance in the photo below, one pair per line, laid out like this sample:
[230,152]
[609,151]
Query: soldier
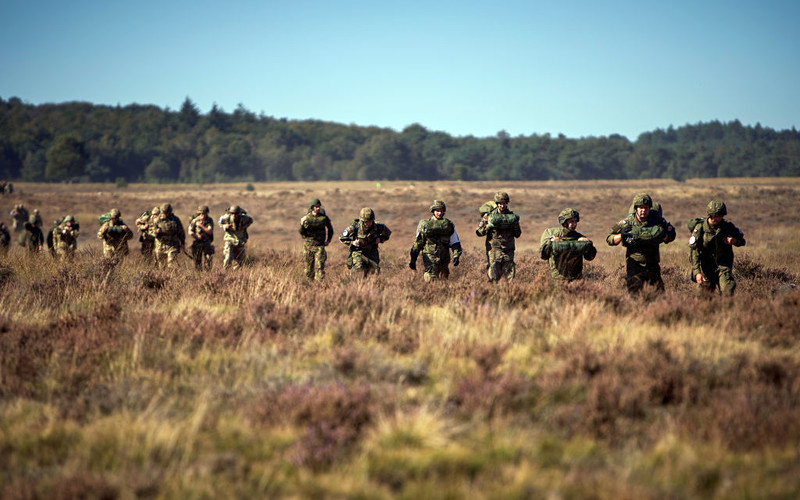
[170,237]
[363,236]
[317,232]
[115,234]
[146,223]
[641,232]
[201,229]
[235,222]
[5,239]
[435,238]
[565,248]
[33,238]
[500,227]
[711,249]
[65,238]
[19,218]
[37,218]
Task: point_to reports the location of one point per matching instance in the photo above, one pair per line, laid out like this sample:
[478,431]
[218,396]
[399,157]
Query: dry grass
[125,381]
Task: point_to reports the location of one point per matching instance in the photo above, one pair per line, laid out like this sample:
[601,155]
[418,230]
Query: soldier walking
[19,216]
[317,232]
[500,227]
[115,235]
[641,233]
[565,248]
[170,237]
[65,238]
[201,230]
[5,239]
[711,249]
[435,238]
[235,222]
[146,223]
[362,237]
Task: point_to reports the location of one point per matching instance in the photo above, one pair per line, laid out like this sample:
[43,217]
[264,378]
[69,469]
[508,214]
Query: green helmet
[166,208]
[366,214]
[235,209]
[114,212]
[501,197]
[203,209]
[69,218]
[642,199]
[438,205]
[568,214]
[313,203]
[716,208]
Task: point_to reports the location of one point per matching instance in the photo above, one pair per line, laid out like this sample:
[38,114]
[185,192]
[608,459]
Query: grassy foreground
[130,382]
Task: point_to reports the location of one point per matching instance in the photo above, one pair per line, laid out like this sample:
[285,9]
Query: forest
[84,142]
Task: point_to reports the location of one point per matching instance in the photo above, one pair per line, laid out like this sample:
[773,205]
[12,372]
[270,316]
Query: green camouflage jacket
[707,248]
[199,235]
[437,243]
[235,230]
[566,256]
[169,231]
[499,238]
[316,230]
[368,238]
[642,239]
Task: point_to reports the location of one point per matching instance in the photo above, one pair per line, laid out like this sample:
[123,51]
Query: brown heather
[124,381]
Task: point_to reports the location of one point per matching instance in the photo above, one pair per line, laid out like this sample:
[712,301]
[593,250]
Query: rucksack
[315,221]
[435,228]
[503,221]
[487,208]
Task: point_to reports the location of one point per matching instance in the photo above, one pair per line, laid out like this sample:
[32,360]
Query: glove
[455,260]
[412,264]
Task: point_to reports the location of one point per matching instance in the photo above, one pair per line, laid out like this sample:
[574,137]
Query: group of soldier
[641,232]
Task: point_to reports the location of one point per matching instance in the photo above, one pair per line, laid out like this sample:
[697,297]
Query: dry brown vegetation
[123,381]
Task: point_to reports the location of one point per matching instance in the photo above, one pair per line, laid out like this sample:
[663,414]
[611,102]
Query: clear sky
[577,67]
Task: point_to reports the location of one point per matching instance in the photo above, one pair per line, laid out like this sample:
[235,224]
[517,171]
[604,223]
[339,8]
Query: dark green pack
[315,221]
[503,221]
[104,218]
[435,228]
[487,208]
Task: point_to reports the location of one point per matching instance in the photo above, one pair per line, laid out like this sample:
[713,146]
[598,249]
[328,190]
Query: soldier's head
[716,211]
[367,216]
[69,220]
[502,200]
[203,209]
[235,211]
[569,218]
[642,203]
[156,210]
[438,208]
[166,210]
[314,202]
[114,213]
[35,211]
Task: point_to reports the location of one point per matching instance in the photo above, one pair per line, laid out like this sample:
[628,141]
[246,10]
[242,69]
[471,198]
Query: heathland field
[126,381]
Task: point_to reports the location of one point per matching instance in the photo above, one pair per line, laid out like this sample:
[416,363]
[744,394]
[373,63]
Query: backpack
[435,228]
[315,221]
[104,218]
[487,208]
[503,221]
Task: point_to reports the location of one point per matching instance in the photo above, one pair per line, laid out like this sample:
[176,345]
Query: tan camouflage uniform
[146,223]
[115,235]
[201,230]
[170,237]
[235,222]
[500,241]
[65,238]
[317,232]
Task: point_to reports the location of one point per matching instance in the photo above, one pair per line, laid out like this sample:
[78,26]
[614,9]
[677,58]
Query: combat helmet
[568,214]
[114,212]
[166,209]
[501,197]
[366,214]
[438,205]
[716,208]
[69,218]
[313,203]
[642,199]
[234,209]
[203,209]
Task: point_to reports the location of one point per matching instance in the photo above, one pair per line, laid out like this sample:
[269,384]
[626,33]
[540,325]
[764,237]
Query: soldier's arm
[347,235]
[615,234]
[517,230]
[694,259]
[546,245]
[737,236]
[591,252]
[328,230]
[483,226]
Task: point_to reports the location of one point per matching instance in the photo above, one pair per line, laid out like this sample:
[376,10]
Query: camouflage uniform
[201,229]
[500,239]
[642,240]
[19,217]
[36,218]
[235,222]
[33,238]
[146,223]
[363,236]
[565,249]
[710,255]
[317,233]
[435,238]
[65,237]
[170,237]
[5,239]
[115,235]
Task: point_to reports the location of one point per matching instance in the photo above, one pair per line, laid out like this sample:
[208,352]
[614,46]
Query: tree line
[78,141]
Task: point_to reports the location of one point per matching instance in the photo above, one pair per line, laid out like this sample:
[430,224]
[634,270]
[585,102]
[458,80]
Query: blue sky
[581,68]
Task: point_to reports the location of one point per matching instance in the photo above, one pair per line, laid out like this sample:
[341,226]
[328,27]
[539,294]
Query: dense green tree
[66,158]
